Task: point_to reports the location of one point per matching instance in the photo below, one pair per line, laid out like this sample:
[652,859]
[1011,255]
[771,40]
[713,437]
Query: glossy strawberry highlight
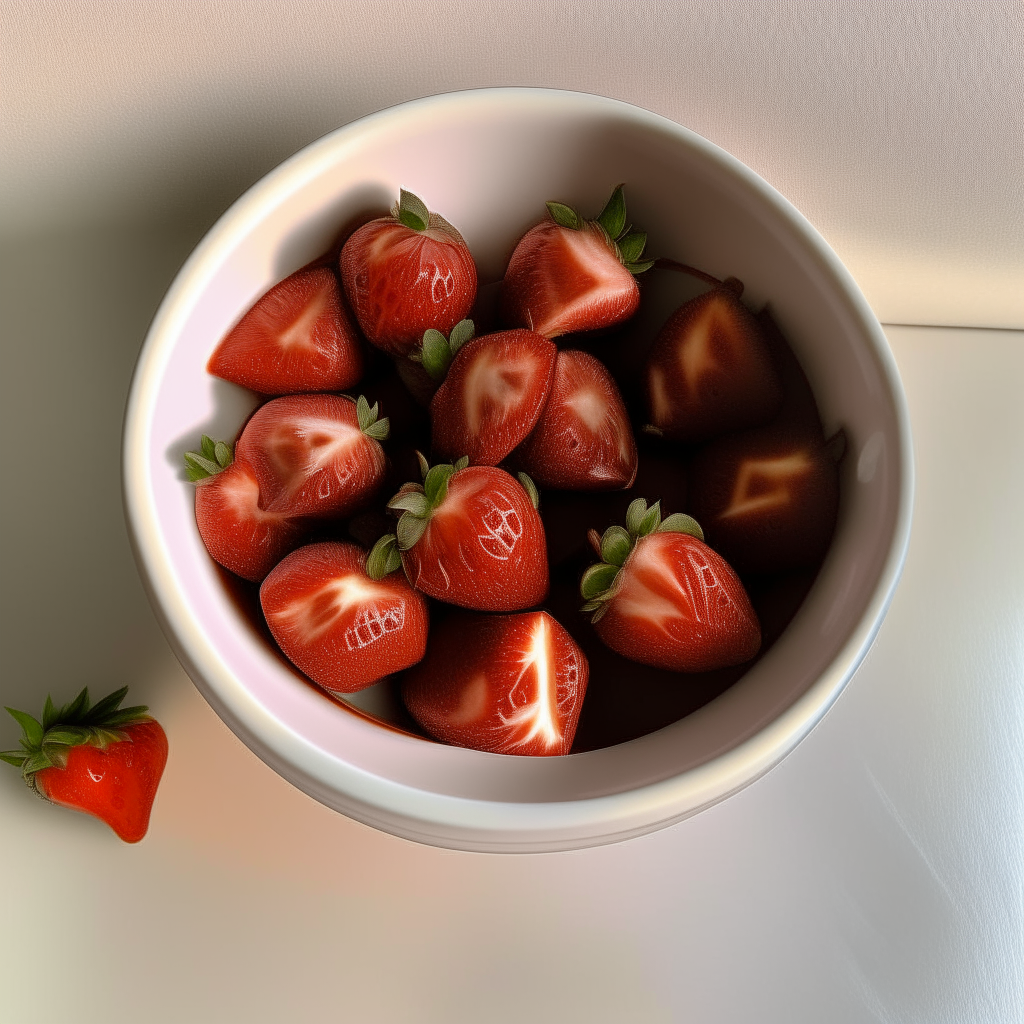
[103,760]
[297,338]
[662,597]
[492,396]
[583,439]
[315,455]
[237,532]
[471,536]
[337,623]
[508,684]
[406,273]
[568,274]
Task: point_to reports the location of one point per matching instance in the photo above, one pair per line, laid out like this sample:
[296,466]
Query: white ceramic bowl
[487,161]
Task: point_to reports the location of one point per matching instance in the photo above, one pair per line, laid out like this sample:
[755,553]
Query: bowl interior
[487,161]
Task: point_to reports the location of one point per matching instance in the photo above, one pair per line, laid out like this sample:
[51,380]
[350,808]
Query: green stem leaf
[412,211]
[613,217]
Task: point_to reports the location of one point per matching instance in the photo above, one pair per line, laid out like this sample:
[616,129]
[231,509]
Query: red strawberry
[315,455]
[492,396]
[237,533]
[405,273]
[568,274]
[105,760]
[583,440]
[662,597]
[710,370]
[342,618]
[472,537]
[298,337]
[768,497]
[508,684]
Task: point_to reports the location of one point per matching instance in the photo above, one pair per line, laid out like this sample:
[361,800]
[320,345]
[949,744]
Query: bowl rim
[443,819]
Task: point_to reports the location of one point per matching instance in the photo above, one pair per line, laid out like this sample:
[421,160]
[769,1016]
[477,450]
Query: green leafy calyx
[600,582]
[437,352]
[417,502]
[412,211]
[384,557]
[46,744]
[212,457]
[628,244]
[366,415]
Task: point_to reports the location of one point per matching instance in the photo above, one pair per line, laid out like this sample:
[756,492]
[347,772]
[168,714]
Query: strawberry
[583,440]
[768,497]
[472,537]
[710,370]
[237,533]
[104,760]
[492,396]
[508,684]
[297,337]
[345,619]
[405,273]
[570,274]
[662,597]
[315,455]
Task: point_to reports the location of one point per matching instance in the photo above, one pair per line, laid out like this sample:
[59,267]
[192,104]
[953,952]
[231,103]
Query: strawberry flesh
[492,396]
[400,281]
[767,498]
[710,370]
[508,684]
[676,604]
[298,337]
[583,440]
[337,625]
[117,785]
[560,280]
[483,547]
[238,534]
[310,457]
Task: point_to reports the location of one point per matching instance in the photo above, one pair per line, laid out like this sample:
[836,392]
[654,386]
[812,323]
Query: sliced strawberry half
[662,597]
[583,440]
[710,370]
[298,337]
[570,274]
[238,534]
[492,396]
[315,455]
[472,537]
[405,273]
[508,684]
[342,621]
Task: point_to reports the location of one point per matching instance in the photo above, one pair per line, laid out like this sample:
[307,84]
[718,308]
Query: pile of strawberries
[372,561]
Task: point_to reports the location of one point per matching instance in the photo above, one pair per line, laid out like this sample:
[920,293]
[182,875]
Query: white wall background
[896,127]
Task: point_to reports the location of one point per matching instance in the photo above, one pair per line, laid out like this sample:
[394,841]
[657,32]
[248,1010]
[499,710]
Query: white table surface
[874,875]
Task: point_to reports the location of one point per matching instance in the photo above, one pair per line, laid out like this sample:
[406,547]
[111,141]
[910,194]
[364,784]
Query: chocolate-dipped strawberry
[710,370]
[583,440]
[492,396]
[568,274]
[662,597]
[767,498]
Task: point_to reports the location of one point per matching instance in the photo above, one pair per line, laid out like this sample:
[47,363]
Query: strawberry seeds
[469,585]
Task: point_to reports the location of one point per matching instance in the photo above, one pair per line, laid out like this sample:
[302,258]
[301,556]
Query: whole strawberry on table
[464,589]
[99,758]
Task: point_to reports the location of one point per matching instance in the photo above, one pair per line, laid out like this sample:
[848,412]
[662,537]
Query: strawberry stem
[733,284]
[412,211]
